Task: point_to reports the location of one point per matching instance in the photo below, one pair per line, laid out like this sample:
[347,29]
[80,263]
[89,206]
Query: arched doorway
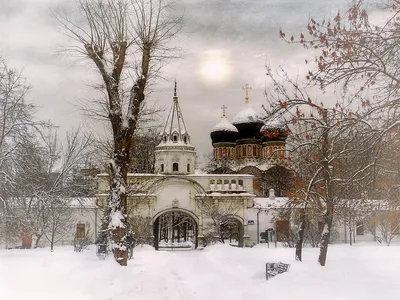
[175,229]
[231,231]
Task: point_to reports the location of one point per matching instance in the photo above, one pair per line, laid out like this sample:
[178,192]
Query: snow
[272,124]
[265,203]
[364,271]
[116,220]
[224,125]
[247,115]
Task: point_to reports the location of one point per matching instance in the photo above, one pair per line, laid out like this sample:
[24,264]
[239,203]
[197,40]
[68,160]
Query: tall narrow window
[188,167]
[175,167]
[80,231]
[162,167]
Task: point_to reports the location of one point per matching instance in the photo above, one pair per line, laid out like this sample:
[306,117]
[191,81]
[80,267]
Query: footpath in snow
[367,272]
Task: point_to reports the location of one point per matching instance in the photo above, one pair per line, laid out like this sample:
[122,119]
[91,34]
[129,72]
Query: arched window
[254,150]
[175,138]
[226,181]
[249,150]
[219,181]
[274,153]
[162,167]
[240,182]
[165,138]
[188,167]
[233,181]
[212,181]
[175,167]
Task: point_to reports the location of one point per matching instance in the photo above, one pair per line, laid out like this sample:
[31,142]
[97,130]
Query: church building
[178,207]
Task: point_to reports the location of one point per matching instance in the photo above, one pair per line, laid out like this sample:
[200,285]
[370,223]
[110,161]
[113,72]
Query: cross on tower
[223,110]
[246,88]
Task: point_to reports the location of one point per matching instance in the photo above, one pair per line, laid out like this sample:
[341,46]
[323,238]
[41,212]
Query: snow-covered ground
[367,272]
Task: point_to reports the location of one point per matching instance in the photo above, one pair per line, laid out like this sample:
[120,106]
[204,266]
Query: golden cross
[223,110]
[246,88]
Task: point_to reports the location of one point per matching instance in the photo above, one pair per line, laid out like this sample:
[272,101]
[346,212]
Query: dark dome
[248,123]
[224,132]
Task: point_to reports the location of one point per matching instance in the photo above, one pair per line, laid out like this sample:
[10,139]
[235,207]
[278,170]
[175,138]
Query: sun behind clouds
[214,67]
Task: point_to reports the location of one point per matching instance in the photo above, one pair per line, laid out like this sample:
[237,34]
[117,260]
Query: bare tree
[59,218]
[321,141]
[222,214]
[127,41]
[386,224]
[361,58]
[42,179]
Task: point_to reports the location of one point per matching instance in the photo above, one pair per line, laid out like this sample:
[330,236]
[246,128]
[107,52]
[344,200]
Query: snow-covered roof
[267,203]
[178,143]
[263,166]
[272,124]
[246,115]
[224,125]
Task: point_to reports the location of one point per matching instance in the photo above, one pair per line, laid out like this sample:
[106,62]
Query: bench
[273,269]
[102,250]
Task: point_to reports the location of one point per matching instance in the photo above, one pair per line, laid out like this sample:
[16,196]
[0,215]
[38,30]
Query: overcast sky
[229,38]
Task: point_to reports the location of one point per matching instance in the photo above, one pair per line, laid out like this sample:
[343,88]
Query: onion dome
[224,131]
[274,131]
[247,121]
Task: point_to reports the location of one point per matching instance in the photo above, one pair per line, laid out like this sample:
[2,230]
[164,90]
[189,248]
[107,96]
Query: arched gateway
[177,207]
[175,229]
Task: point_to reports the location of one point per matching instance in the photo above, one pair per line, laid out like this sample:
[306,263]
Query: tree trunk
[301,231]
[328,218]
[38,237]
[117,198]
[326,234]
[52,241]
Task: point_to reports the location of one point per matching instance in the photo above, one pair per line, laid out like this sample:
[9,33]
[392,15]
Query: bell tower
[175,154]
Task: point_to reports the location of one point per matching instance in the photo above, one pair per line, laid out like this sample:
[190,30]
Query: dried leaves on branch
[336,146]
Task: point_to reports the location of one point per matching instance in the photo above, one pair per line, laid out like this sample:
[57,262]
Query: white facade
[82,212]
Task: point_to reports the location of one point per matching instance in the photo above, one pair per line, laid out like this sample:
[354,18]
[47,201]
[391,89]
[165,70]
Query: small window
[80,231]
[249,150]
[233,181]
[188,167]
[212,181]
[185,139]
[226,181]
[240,182]
[162,167]
[219,181]
[165,138]
[175,167]
[359,228]
[175,138]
